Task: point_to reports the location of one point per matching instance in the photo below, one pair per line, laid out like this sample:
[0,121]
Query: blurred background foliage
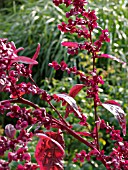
[28,22]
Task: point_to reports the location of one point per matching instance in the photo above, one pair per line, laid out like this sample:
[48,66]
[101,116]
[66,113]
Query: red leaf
[25,60]
[117,111]
[49,152]
[70,44]
[71,102]
[112,102]
[75,90]
[19,49]
[10,131]
[37,52]
[111,57]
[35,55]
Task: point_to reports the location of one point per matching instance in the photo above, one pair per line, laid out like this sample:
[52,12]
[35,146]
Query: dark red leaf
[112,102]
[37,52]
[35,55]
[75,90]
[117,111]
[49,151]
[19,49]
[111,57]
[10,131]
[70,44]
[71,102]
[25,60]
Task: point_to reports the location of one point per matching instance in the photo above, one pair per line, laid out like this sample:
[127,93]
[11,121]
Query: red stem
[95,112]
[30,76]
[21,100]
[61,118]
[96,124]
[74,134]
[95,105]
[65,127]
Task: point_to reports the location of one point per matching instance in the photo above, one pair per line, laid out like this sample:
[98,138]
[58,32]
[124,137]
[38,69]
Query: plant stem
[74,134]
[93,64]
[30,76]
[61,118]
[95,111]
[95,105]
[21,100]
[96,124]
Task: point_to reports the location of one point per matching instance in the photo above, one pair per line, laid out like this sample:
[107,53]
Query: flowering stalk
[49,151]
[83,23]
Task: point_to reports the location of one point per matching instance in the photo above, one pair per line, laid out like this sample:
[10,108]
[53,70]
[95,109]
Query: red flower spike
[75,90]
[70,44]
[49,152]
[117,111]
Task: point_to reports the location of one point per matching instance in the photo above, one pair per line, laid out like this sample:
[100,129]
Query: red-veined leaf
[117,111]
[71,102]
[24,59]
[35,55]
[49,152]
[10,131]
[70,44]
[111,57]
[56,136]
[75,90]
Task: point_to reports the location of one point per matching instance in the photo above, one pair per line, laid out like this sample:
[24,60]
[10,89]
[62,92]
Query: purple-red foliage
[49,151]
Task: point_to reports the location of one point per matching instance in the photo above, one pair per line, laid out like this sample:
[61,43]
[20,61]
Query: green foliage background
[27,22]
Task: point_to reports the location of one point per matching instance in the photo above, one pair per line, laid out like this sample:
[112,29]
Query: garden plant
[16,80]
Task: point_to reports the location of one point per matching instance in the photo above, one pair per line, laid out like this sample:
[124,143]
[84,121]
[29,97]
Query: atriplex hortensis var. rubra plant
[49,151]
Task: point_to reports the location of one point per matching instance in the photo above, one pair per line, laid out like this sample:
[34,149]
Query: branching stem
[61,118]
[21,100]
[82,140]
